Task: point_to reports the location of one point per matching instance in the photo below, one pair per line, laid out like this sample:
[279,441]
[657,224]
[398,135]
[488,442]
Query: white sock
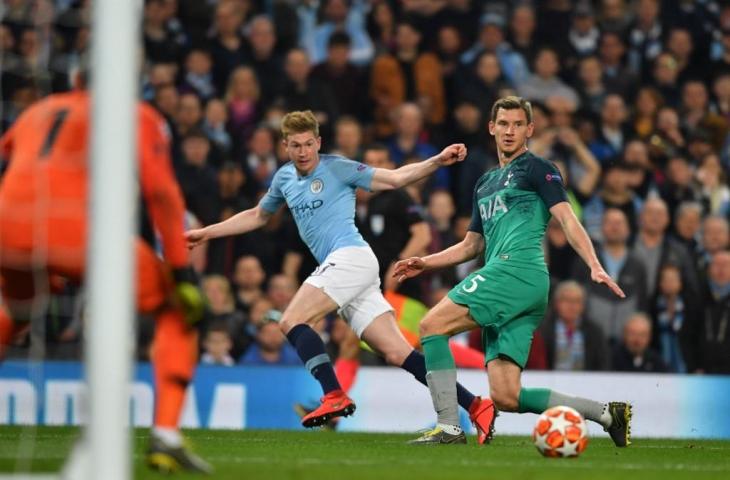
[450,429]
[605,419]
[170,436]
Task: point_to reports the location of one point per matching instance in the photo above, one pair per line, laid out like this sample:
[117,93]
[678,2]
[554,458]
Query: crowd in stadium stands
[631,101]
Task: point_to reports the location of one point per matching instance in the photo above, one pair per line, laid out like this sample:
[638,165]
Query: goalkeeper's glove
[188,295]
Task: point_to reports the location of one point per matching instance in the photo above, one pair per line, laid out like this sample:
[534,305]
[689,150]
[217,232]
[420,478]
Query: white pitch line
[543,463]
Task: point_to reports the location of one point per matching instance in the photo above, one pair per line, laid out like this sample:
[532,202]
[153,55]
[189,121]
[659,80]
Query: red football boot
[334,404]
[482,414]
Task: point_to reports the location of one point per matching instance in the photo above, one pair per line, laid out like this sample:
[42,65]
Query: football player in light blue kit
[320,192]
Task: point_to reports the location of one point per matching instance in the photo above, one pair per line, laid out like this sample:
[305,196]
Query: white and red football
[560,432]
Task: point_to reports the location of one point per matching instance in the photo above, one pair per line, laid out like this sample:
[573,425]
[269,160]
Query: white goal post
[105,451]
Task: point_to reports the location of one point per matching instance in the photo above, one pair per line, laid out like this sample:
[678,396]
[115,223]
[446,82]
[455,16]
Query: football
[560,432]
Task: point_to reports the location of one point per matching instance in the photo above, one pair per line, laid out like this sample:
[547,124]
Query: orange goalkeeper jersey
[43,194]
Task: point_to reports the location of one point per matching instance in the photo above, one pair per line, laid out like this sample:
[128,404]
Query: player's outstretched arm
[581,243]
[470,247]
[384,179]
[242,222]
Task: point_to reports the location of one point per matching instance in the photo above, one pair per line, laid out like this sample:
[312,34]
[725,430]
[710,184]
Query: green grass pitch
[321,455]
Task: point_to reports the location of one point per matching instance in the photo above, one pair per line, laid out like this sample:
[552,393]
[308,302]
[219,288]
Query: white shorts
[350,277]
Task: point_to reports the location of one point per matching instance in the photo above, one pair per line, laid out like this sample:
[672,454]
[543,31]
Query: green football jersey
[511,210]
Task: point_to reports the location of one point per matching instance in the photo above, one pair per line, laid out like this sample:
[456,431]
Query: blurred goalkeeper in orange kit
[43,237]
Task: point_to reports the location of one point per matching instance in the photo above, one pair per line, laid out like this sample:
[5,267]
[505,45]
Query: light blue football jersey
[322,203]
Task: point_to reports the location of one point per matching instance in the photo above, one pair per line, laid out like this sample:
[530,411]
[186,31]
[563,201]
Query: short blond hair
[299,122]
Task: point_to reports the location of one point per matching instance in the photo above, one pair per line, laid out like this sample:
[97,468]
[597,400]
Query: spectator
[579,167]
[217,345]
[441,213]
[248,279]
[198,74]
[608,311]
[687,224]
[584,34]
[523,31]
[214,125]
[227,47]
[491,39]
[614,193]
[641,174]
[258,311]
[348,138]
[271,347]
[714,336]
[242,100]
[337,16]
[665,78]
[680,45]
[235,195]
[300,92]
[696,114]
[483,84]
[281,290]
[222,310]
[634,353]
[591,88]
[263,57]
[468,128]
[713,189]
[678,184]
[646,105]
[572,340]
[715,239]
[559,254]
[408,140]
[157,75]
[645,37]
[197,178]
[654,249]
[381,27]
[615,16]
[260,160]
[619,78]
[167,101]
[676,321]
[346,81]
[721,94]
[232,190]
[721,60]
[189,114]
[613,132]
[545,82]
[406,75]
[163,39]
[667,141]
[449,48]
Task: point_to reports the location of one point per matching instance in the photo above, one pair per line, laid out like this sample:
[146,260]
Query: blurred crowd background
[631,101]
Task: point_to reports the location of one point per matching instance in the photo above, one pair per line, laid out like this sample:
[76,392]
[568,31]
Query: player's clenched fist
[409,268]
[452,154]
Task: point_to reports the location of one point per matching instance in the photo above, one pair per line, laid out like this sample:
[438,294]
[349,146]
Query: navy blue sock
[416,365]
[310,348]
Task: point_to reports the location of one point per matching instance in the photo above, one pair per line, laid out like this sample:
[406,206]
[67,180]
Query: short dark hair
[378,147]
[339,39]
[196,132]
[512,102]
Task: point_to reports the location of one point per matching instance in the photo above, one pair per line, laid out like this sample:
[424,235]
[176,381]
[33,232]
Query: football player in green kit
[507,297]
